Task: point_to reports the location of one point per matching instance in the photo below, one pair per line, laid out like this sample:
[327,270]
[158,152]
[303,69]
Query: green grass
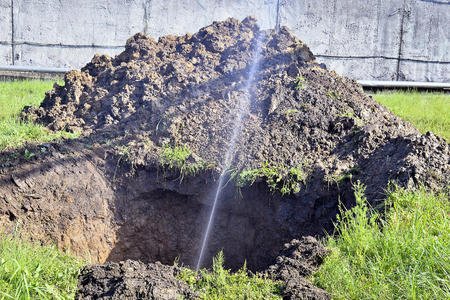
[300,82]
[427,111]
[177,158]
[13,97]
[403,253]
[29,271]
[270,173]
[222,284]
[287,184]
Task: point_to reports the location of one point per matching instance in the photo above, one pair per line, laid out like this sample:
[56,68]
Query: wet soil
[113,194]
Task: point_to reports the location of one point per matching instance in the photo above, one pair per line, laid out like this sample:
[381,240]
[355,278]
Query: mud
[112,196]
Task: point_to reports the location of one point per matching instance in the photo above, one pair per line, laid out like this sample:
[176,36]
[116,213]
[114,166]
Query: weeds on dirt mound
[29,271]
[222,284]
[401,254]
[177,158]
[286,184]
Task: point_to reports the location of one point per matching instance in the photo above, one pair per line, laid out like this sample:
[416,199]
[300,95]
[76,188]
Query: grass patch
[290,112]
[273,176]
[300,82]
[337,178]
[222,284]
[29,271]
[14,96]
[177,158]
[427,111]
[401,254]
[333,95]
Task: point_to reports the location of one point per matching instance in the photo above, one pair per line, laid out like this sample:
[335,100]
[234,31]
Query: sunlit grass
[220,283]
[30,271]
[428,111]
[403,253]
[14,95]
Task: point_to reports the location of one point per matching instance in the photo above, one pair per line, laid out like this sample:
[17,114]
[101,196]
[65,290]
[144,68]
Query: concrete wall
[362,39]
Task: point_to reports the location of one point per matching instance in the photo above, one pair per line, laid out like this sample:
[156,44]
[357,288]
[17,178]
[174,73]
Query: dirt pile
[132,280]
[136,280]
[156,122]
[184,90]
[297,261]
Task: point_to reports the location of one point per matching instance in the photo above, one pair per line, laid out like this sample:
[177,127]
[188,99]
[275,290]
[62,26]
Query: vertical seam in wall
[277,19]
[399,57]
[146,12]
[13,46]
[376,38]
[331,29]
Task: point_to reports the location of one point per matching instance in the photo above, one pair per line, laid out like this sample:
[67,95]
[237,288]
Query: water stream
[244,104]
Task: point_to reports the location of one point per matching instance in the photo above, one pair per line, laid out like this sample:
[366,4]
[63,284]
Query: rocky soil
[156,121]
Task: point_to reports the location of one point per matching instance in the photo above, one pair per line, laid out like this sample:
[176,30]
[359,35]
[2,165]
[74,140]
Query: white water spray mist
[244,104]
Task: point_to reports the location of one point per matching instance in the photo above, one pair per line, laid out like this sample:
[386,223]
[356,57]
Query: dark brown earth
[136,280]
[132,280]
[109,194]
[297,261]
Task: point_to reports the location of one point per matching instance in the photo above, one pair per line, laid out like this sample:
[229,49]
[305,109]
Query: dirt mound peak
[108,90]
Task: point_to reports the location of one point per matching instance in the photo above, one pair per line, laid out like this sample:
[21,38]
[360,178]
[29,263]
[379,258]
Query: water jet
[244,105]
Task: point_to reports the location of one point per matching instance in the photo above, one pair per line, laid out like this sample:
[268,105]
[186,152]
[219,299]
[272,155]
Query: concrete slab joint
[13,50]
[403,13]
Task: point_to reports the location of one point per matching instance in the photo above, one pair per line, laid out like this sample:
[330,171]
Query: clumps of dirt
[132,280]
[136,280]
[297,261]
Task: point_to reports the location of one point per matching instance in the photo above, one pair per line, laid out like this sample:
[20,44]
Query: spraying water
[244,103]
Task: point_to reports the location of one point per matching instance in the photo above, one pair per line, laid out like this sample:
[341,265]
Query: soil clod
[130,280]
[297,261]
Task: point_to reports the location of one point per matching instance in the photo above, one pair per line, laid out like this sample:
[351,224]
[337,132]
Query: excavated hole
[165,225]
